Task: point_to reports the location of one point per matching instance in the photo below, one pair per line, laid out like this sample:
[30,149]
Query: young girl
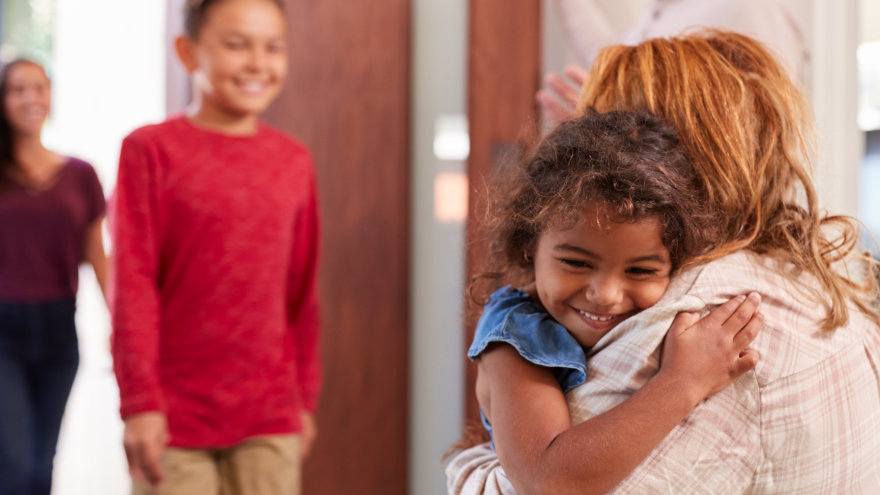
[214,302]
[594,224]
[51,210]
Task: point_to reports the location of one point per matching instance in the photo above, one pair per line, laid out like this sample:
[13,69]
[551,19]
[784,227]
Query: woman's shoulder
[78,165]
[81,169]
[739,272]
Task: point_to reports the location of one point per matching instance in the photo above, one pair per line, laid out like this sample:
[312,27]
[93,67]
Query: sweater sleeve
[134,274]
[303,308]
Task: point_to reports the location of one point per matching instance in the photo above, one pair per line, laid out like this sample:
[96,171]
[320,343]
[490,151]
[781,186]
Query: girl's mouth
[596,317]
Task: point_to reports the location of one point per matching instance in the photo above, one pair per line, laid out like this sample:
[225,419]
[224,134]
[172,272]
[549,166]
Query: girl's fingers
[683,321]
[743,313]
[744,337]
[748,359]
[734,314]
[718,316]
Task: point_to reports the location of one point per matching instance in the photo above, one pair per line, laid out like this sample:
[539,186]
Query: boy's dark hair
[195,12]
[630,163]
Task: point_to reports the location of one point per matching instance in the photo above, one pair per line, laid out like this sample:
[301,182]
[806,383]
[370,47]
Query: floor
[90,459]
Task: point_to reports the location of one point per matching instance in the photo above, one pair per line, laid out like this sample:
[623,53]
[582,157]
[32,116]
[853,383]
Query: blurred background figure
[213,274]
[51,209]
[588,27]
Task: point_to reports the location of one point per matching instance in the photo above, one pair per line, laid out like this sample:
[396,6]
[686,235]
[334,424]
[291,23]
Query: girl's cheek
[650,295]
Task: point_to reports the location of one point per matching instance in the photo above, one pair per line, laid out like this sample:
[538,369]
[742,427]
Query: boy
[214,302]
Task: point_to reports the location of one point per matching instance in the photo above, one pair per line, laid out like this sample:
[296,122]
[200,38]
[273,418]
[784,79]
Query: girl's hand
[706,355]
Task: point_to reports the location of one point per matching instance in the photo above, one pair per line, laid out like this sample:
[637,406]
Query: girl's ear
[185,49]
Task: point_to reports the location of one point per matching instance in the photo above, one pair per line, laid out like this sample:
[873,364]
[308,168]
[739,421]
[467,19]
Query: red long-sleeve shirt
[213,281]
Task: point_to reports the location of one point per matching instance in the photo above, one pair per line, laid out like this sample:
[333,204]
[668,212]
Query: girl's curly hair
[631,164]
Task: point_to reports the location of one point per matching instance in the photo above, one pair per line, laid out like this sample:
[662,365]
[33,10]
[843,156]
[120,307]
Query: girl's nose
[604,291]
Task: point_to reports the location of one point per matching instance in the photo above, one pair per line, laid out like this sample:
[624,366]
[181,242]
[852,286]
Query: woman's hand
[559,98]
[705,355]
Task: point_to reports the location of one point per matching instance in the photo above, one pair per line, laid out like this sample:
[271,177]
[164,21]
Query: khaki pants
[267,465]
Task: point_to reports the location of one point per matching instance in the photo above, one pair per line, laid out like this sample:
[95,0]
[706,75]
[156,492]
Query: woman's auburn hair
[746,126]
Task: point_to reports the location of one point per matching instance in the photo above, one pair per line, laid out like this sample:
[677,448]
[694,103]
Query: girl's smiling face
[599,272]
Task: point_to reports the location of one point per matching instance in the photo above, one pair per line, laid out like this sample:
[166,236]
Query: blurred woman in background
[51,209]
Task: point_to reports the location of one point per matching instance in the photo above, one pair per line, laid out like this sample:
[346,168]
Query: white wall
[109,60]
[835,35]
[437,352]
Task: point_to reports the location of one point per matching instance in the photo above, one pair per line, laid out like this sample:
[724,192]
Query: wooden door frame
[347,98]
[504,73]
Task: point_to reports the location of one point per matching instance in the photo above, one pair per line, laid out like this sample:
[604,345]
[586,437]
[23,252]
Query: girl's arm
[542,453]
[94,252]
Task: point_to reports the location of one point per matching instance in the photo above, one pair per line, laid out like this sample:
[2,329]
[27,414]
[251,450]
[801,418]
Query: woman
[51,208]
[806,420]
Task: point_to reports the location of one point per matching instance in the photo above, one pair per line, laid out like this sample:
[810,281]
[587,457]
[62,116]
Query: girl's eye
[276,48]
[643,271]
[576,263]
[235,45]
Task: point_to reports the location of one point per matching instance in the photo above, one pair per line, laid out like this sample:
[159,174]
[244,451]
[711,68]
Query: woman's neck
[34,162]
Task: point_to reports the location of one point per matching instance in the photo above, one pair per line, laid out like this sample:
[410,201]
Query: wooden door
[504,73]
[347,98]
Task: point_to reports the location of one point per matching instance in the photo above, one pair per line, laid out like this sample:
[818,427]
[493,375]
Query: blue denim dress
[513,317]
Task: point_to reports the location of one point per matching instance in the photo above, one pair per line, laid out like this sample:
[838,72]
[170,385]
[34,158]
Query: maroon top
[42,233]
[212,281]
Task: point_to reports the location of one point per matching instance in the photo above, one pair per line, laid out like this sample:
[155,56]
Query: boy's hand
[145,438]
[706,355]
[308,433]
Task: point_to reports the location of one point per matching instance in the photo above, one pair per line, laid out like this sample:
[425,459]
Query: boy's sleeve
[303,308]
[134,293]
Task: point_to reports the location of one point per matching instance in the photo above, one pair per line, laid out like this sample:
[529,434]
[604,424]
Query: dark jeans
[38,361]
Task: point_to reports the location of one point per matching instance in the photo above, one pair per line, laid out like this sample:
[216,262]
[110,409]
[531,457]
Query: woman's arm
[94,252]
[542,453]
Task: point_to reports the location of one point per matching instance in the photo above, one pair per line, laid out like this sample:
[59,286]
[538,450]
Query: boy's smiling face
[238,60]
[599,272]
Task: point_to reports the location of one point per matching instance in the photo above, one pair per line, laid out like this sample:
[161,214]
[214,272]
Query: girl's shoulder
[512,317]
